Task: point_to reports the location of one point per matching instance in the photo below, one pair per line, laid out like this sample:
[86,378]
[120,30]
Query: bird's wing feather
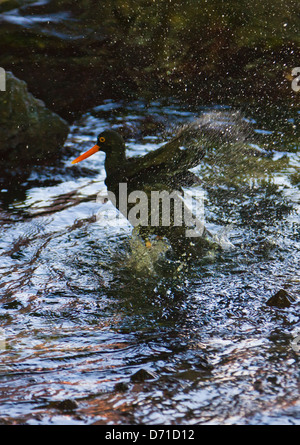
[178,155]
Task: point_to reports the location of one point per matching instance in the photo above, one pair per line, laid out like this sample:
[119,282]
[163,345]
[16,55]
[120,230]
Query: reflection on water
[82,309]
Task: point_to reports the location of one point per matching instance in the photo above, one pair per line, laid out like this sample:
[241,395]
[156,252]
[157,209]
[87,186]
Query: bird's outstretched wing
[182,152]
[187,148]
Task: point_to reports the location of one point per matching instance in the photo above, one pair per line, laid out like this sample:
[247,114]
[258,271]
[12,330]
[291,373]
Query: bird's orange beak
[87,154]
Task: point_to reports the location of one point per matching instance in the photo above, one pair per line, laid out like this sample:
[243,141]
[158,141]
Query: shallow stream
[92,333]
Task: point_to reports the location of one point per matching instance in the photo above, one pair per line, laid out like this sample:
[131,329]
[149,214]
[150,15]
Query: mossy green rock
[30,134]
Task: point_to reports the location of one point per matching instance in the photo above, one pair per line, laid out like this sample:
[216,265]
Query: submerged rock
[142,375]
[281,300]
[121,387]
[29,133]
[67,405]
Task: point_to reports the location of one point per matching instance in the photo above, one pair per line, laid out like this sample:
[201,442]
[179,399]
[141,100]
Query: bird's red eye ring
[102,139]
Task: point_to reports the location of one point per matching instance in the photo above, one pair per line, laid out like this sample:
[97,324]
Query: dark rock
[30,134]
[203,365]
[142,375]
[65,405]
[281,300]
[121,387]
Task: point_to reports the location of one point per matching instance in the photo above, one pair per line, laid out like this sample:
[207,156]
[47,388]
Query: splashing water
[84,305]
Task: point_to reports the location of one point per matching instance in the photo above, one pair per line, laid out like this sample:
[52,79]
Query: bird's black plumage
[165,169]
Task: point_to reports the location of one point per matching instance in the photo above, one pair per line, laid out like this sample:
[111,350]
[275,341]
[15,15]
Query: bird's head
[108,141]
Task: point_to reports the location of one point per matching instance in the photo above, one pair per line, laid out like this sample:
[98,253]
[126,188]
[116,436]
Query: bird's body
[166,171]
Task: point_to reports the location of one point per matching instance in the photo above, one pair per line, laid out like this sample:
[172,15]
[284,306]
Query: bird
[163,170]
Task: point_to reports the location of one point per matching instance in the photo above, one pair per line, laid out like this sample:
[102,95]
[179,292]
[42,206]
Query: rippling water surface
[89,337]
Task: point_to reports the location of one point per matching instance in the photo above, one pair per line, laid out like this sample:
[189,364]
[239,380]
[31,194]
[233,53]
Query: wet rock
[203,365]
[121,387]
[65,405]
[142,375]
[281,300]
[30,134]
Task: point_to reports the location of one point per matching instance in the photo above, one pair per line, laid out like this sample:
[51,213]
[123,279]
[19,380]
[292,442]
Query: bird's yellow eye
[102,139]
